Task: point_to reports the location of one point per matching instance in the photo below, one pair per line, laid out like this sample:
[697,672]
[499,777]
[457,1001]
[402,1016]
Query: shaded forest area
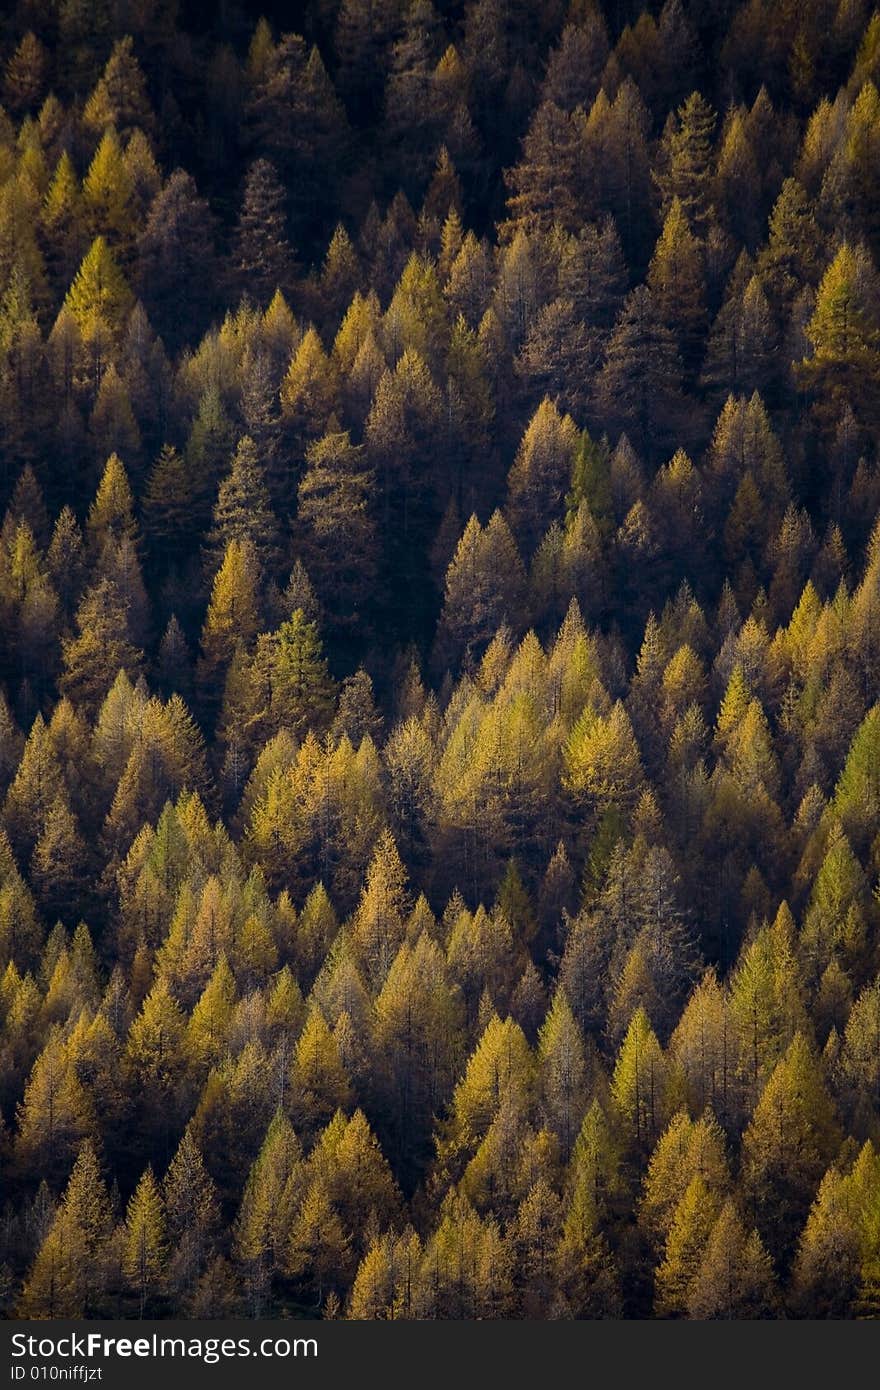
[440,659]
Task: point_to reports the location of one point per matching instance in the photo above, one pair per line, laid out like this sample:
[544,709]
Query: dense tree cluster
[440,660]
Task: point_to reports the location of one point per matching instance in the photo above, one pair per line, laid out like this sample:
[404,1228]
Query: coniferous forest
[440,659]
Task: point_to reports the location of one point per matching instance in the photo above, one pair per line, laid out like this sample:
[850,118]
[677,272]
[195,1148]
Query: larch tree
[541,472]
[787,1146]
[192,1215]
[484,589]
[70,1274]
[639,1084]
[25,74]
[689,1232]
[99,295]
[107,196]
[675,278]
[269,1202]
[144,1258]
[119,98]
[544,182]
[233,617]
[843,335]
[175,257]
[289,684]
[735,1278]
[564,1074]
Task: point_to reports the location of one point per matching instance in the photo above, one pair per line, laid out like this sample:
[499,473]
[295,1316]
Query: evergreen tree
[290,685]
[243,511]
[335,497]
[686,171]
[176,258]
[639,387]
[264,260]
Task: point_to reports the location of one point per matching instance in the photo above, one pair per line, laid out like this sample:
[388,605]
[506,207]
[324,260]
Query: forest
[440,659]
